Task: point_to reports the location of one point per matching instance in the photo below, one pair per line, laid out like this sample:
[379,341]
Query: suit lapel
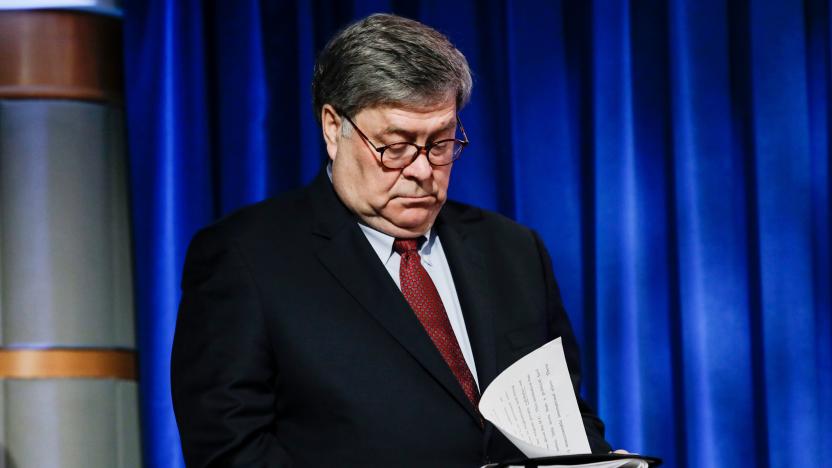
[348,256]
[475,292]
[467,263]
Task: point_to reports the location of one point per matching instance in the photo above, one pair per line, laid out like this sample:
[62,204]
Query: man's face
[399,202]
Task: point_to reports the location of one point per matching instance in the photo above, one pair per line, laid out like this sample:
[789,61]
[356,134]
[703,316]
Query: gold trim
[40,92]
[60,54]
[67,363]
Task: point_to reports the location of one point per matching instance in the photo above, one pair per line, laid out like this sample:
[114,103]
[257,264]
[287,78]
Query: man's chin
[411,223]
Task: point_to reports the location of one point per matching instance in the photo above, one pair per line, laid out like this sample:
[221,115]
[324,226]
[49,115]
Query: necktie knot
[405,245]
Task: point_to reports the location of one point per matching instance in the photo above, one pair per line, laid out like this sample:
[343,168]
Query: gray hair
[388,60]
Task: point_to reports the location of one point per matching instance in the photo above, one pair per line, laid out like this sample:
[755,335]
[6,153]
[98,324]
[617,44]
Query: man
[357,321]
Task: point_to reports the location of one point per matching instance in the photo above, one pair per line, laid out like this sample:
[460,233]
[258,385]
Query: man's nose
[420,168]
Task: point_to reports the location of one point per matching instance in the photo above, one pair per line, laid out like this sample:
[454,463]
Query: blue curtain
[674,155]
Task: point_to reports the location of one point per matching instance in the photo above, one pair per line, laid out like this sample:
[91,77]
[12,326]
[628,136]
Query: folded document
[534,405]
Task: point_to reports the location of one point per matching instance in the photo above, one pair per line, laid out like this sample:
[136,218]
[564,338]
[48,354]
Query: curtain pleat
[782,166]
[711,192]
[173,189]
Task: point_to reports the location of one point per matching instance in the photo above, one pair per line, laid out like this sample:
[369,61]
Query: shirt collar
[383,244]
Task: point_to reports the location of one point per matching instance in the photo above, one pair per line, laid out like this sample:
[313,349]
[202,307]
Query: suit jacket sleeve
[222,370]
[558,324]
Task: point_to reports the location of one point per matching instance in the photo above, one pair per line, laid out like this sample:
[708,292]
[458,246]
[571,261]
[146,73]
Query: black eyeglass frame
[381,149]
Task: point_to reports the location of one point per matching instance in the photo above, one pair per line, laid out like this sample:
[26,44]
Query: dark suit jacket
[294,346]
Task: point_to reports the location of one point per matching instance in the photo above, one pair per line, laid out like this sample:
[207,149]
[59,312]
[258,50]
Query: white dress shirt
[436,264]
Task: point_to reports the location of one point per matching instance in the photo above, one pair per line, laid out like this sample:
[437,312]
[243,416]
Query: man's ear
[331,128]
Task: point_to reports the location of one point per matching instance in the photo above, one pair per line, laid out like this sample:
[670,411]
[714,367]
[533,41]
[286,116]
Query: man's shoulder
[273,217]
[458,212]
[483,222]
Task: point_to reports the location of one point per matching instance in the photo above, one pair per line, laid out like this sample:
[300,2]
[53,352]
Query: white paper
[631,463]
[533,404]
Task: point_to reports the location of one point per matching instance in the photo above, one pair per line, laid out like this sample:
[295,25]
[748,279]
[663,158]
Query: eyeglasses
[402,154]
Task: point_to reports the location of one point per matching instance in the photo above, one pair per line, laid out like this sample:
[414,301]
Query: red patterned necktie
[421,294]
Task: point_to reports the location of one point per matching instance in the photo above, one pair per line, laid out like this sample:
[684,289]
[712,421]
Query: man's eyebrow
[397,131]
[412,135]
